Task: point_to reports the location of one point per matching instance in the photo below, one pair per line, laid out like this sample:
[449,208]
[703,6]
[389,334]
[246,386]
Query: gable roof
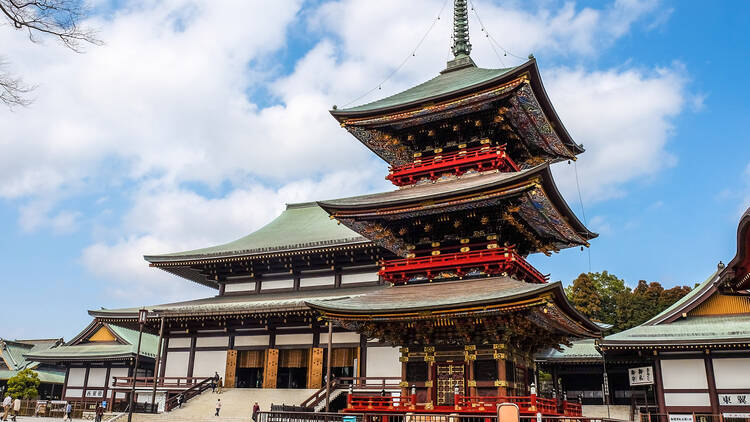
[78,348]
[13,353]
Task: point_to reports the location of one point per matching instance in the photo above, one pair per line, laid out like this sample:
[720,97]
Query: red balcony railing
[489,261]
[457,162]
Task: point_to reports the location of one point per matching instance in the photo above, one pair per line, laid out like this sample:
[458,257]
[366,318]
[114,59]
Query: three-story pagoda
[469,151]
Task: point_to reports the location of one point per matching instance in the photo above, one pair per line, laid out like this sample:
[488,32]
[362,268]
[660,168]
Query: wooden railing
[182,397]
[497,260]
[359,383]
[457,162]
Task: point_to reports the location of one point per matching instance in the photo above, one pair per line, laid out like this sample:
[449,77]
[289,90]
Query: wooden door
[231,369]
[449,375]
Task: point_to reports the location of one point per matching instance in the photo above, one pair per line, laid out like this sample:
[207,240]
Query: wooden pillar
[471,382]
[502,375]
[315,327]
[106,383]
[659,386]
[315,368]
[404,384]
[362,356]
[713,394]
[65,384]
[431,375]
[270,368]
[191,358]
[86,383]
[230,371]
[271,337]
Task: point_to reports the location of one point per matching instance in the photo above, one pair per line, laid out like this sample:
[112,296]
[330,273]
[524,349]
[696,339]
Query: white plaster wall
[119,395]
[73,392]
[277,284]
[359,278]
[251,341]
[287,339]
[76,377]
[687,399]
[212,342]
[621,412]
[732,373]
[117,372]
[326,280]
[339,338]
[240,287]
[177,364]
[97,377]
[383,362]
[207,363]
[179,342]
[683,373]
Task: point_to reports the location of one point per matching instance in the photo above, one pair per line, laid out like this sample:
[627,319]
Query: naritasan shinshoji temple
[425,288]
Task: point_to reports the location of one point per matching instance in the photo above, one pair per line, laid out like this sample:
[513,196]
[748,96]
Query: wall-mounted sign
[94,393]
[680,418]
[736,415]
[734,399]
[641,376]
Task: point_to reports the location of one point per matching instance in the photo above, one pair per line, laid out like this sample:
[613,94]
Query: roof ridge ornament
[461,46]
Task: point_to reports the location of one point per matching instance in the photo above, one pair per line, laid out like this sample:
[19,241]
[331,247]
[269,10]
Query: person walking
[221,384]
[213,385]
[16,408]
[256,409]
[218,407]
[179,400]
[99,413]
[6,406]
[68,412]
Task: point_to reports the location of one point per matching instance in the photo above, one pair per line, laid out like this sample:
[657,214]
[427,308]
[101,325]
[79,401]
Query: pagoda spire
[461,46]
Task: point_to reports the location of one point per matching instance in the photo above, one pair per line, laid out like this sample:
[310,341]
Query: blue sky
[193,126]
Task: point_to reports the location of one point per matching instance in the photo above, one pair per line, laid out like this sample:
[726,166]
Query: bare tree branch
[58,19]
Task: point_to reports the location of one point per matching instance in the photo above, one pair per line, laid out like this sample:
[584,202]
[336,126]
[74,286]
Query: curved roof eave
[536,82]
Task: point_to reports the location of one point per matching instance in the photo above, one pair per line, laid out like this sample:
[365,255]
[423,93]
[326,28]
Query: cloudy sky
[197,121]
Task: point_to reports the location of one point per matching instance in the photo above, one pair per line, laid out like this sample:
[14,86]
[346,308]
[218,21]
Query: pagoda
[469,152]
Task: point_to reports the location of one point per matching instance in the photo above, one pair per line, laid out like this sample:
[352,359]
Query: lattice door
[449,375]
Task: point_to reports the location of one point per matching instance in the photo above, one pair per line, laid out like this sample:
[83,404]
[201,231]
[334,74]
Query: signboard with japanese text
[734,399]
[94,393]
[680,418]
[641,376]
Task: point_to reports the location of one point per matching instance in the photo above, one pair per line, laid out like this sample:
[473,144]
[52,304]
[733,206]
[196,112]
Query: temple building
[13,360]
[698,349]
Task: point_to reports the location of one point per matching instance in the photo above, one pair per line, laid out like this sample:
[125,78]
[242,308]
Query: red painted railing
[457,162]
[528,405]
[490,261]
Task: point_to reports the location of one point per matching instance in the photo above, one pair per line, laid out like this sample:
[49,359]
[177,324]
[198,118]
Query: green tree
[586,295]
[603,297]
[25,384]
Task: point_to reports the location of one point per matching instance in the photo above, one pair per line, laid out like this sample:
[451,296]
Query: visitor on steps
[16,408]
[220,385]
[99,413]
[6,406]
[218,407]
[68,412]
[179,400]
[256,409]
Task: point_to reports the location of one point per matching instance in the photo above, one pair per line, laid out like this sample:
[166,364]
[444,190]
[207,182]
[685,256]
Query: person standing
[6,406]
[256,409]
[218,407]
[16,407]
[221,384]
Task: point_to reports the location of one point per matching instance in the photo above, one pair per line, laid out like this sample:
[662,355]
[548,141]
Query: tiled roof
[255,303]
[578,351]
[692,330]
[300,226]
[439,86]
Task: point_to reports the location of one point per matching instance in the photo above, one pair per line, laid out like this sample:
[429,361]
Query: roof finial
[461,44]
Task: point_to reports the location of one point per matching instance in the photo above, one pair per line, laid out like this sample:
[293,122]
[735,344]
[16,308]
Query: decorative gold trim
[403,350]
[470,347]
[404,384]
[500,383]
[471,383]
[429,349]
[428,384]
[499,356]
[403,359]
[499,347]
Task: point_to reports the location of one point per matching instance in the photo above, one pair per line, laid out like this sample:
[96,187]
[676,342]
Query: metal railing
[178,399]
[178,383]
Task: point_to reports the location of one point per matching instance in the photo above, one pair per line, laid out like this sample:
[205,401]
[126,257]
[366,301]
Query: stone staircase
[236,405]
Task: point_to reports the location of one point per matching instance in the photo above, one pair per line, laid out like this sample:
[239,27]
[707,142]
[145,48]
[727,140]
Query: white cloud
[623,117]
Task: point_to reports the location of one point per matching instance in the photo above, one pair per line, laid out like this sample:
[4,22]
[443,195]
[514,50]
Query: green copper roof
[578,351]
[691,330]
[443,84]
[102,351]
[300,226]
[46,376]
